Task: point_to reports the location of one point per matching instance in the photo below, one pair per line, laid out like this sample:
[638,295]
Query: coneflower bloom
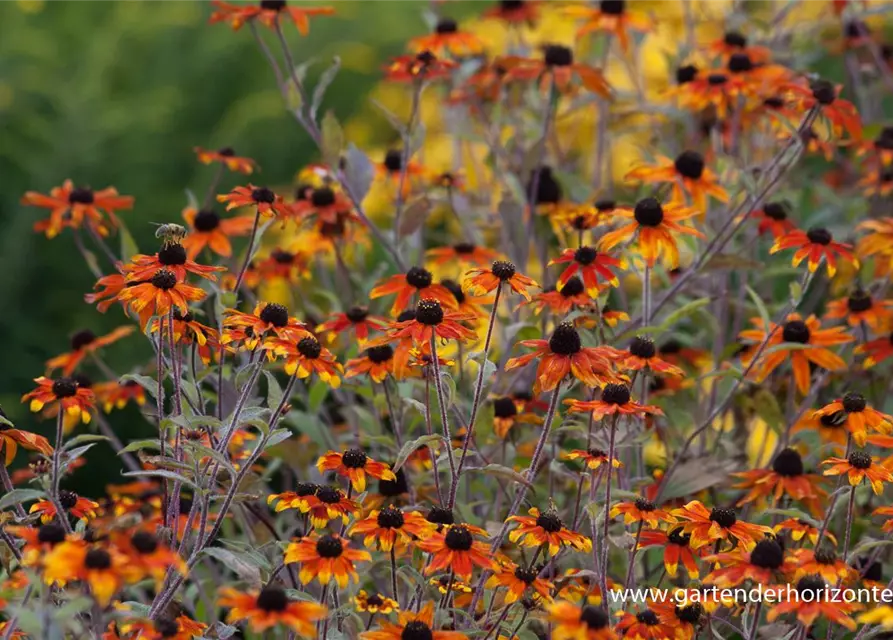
[355,465]
[423,66]
[572,294]
[76,560]
[430,320]
[734,42]
[269,13]
[281,264]
[800,528]
[515,12]
[786,477]
[391,528]
[324,203]
[507,413]
[146,556]
[373,603]
[468,304]
[11,438]
[611,17]
[677,548]
[158,295]
[538,529]
[592,459]
[180,628]
[822,562]
[592,266]
[644,625]
[269,319]
[269,607]
[654,225]
[852,412]
[377,362]
[858,308]
[795,331]
[448,40]
[481,281]
[84,343]
[106,290]
[877,181]
[325,557]
[887,512]
[116,395]
[172,256]
[208,229]
[228,158]
[615,400]
[329,503]
[72,207]
[73,399]
[813,245]
[307,356]
[857,467]
[687,173]
[561,355]
[298,499]
[570,622]
[263,199]
[841,114]
[39,541]
[717,524]
[679,614]
[356,318]
[557,67]
[641,510]
[520,582]
[411,626]
[454,548]
[642,354]
[813,602]
[773,218]
[876,350]
[763,564]
[463,252]
[416,281]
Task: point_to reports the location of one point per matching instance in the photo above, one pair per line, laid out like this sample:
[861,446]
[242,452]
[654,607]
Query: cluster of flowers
[707,449]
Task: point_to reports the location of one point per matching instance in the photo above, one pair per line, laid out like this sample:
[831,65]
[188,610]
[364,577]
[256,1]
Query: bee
[170,233]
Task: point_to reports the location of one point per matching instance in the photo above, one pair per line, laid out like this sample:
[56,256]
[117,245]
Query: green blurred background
[118,93]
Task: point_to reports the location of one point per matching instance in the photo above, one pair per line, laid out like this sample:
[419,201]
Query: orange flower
[822,562]
[11,438]
[794,332]
[378,362]
[268,12]
[654,225]
[592,458]
[887,527]
[641,510]
[208,229]
[39,541]
[95,566]
[463,252]
[571,622]
[72,206]
[852,412]
[515,12]
[615,400]
[423,66]
[591,265]
[564,354]
[800,528]
[172,256]
[481,281]
[263,199]
[180,628]
[677,547]
[507,413]
[841,114]
[116,395]
[546,528]
[228,158]
[356,318]
[81,508]
[734,42]
[84,343]
[812,603]
[430,320]
[417,281]
[572,294]
[786,477]
[454,548]
[328,503]
[269,607]
[300,498]
[814,244]
[857,467]
[307,356]
[74,400]
[267,320]
[446,40]
[773,218]
[412,625]
[556,67]
[612,17]
[519,581]
[642,354]
[687,174]
[158,295]
[392,528]
[375,603]
[146,556]
[859,308]
[763,564]
[644,625]
[877,350]
[716,525]
[325,557]
[325,203]
[355,465]
[106,291]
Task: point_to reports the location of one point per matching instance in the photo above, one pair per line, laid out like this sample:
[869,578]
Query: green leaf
[504,472]
[407,449]
[318,392]
[683,312]
[128,245]
[163,473]
[147,383]
[324,81]
[279,435]
[274,390]
[358,171]
[332,139]
[81,439]
[761,308]
[20,496]
[137,445]
[237,563]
